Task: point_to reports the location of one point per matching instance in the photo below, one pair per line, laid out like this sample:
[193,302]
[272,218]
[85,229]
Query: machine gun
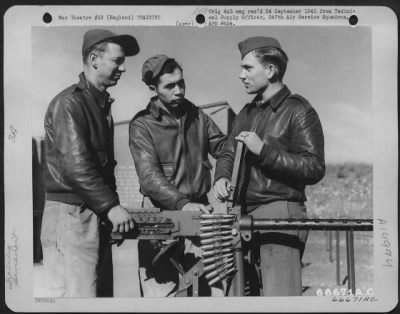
[222,235]
[154,224]
[245,226]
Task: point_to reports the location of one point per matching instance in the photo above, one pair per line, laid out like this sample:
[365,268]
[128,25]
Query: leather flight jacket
[292,155]
[79,153]
[171,155]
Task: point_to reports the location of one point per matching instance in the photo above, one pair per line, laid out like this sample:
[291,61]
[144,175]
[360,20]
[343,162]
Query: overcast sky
[330,66]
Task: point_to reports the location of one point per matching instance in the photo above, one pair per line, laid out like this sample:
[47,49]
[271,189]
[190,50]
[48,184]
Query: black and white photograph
[201,159]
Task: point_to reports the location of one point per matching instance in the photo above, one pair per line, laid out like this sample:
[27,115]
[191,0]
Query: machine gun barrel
[247,223]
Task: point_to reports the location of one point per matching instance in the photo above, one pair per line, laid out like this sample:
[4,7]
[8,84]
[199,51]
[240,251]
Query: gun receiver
[154,224]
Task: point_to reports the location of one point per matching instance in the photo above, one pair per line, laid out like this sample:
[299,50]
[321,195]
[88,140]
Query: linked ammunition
[215,234]
[212,259]
[214,228]
[218,264]
[215,221]
[217,251]
[219,271]
[221,277]
[215,245]
[213,216]
[216,239]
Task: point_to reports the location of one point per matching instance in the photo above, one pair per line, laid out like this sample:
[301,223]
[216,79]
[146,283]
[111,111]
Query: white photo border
[18,23]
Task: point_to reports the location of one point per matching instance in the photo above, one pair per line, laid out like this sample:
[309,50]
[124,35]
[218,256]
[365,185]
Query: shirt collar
[275,101]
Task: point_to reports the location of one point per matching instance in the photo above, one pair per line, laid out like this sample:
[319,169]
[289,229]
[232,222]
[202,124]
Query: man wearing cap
[283,152]
[170,141]
[79,173]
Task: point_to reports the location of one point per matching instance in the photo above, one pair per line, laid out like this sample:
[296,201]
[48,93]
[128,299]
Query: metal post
[238,280]
[326,240]
[350,261]
[338,257]
[330,245]
[195,284]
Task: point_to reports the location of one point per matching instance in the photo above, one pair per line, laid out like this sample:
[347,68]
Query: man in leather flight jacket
[79,173]
[284,152]
[170,141]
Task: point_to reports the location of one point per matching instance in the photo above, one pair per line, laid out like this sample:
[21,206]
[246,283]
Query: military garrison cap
[95,36]
[152,67]
[253,43]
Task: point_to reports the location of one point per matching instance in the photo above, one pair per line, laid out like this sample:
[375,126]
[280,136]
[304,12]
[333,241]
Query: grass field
[345,192]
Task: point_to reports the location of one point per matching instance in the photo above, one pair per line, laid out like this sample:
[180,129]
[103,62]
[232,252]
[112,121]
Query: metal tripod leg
[189,278]
[350,261]
[238,280]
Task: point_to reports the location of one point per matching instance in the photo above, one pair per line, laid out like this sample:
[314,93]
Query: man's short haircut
[275,56]
[168,67]
[98,48]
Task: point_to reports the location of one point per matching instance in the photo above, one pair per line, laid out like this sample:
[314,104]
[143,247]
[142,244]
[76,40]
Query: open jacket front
[171,156]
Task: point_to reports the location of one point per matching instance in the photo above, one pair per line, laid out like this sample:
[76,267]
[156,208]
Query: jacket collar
[157,110]
[275,101]
[103,99]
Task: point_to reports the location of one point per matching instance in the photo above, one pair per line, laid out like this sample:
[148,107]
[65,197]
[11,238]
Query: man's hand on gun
[252,141]
[254,144]
[221,189]
[121,219]
[207,209]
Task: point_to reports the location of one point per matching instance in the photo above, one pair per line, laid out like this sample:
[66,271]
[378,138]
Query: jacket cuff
[264,152]
[220,176]
[221,172]
[104,211]
[181,203]
[265,155]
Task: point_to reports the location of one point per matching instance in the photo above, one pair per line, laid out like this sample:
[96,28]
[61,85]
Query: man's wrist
[104,213]
[267,156]
[264,153]
[216,179]
[181,203]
